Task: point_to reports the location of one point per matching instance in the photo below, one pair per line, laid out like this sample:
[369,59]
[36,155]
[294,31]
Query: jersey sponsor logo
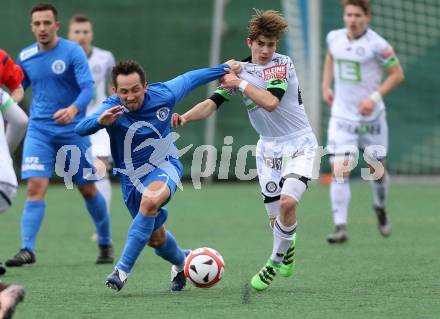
[275,72]
[162,113]
[28,53]
[58,66]
[349,70]
[271,187]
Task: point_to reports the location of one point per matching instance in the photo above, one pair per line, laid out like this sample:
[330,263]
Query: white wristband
[376,97]
[243,85]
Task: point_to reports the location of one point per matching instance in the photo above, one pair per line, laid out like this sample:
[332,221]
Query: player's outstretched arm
[200,111]
[105,116]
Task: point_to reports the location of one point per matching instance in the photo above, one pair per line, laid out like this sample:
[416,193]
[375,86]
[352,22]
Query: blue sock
[170,251]
[138,236]
[33,214]
[98,210]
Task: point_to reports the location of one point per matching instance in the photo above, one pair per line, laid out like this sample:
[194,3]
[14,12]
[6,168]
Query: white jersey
[358,71]
[101,63]
[289,117]
[7,173]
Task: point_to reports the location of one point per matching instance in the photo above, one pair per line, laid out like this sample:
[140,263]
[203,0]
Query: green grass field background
[369,277]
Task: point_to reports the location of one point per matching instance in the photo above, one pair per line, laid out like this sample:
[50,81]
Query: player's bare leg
[10,296]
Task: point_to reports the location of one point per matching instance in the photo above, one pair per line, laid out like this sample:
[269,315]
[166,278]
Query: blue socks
[33,214]
[138,236]
[170,251]
[97,208]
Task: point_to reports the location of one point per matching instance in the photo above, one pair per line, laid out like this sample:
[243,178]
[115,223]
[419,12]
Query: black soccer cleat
[106,255]
[383,222]
[339,235]
[178,279]
[116,280]
[24,256]
[2,269]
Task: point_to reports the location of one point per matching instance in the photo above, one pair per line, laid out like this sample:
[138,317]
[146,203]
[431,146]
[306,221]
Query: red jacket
[11,74]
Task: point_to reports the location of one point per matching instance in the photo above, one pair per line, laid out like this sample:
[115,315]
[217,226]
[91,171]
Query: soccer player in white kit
[286,149]
[356,59]
[101,63]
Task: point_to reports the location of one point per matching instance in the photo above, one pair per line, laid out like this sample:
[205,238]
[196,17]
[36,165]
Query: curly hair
[269,23]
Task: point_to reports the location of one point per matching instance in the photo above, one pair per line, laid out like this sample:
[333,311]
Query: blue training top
[142,138]
[59,78]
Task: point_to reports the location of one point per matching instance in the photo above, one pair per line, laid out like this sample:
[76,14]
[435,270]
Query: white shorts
[281,156]
[100,144]
[346,137]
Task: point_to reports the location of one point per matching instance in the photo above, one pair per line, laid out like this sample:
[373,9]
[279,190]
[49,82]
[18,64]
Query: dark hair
[45,7]
[127,67]
[79,18]
[365,5]
[268,23]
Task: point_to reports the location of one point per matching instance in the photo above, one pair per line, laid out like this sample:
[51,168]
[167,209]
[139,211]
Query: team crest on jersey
[58,66]
[275,72]
[96,69]
[360,51]
[271,187]
[162,113]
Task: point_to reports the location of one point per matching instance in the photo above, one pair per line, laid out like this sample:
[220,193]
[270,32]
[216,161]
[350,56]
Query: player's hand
[328,96]
[234,66]
[65,116]
[108,117]
[366,107]
[177,120]
[230,80]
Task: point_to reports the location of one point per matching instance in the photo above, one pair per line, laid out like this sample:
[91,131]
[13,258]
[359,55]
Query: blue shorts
[44,149]
[133,196]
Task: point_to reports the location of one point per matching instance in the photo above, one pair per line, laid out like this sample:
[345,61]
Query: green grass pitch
[369,277]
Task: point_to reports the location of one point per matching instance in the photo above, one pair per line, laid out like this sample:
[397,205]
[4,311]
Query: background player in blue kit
[62,86]
[137,120]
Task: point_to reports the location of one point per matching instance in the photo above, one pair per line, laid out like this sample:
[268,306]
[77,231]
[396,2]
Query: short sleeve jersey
[358,71]
[289,117]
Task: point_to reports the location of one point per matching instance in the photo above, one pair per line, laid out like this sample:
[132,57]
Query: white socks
[282,238]
[105,188]
[380,191]
[340,199]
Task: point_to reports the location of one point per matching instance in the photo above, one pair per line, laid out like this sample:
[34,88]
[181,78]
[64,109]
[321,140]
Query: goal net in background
[413,110]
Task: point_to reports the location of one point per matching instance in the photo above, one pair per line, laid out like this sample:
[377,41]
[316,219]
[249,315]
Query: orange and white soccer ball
[204,267]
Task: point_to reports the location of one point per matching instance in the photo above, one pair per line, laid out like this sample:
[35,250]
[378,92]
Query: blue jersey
[141,141]
[59,78]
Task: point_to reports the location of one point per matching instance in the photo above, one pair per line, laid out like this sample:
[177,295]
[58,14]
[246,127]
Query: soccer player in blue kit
[62,86]
[137,120]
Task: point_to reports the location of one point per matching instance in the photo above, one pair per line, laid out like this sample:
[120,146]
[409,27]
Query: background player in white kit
[101,63]
[356,59]
[286,148]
